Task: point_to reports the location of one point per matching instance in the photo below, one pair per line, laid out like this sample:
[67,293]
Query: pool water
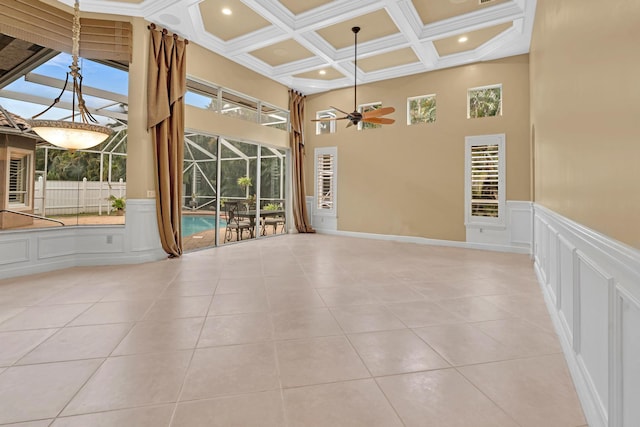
[194,224]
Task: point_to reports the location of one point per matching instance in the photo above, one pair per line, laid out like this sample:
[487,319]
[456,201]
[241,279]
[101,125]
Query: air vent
[485,1]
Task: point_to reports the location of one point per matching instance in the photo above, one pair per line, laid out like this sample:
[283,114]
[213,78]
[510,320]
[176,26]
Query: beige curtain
[296,140]
[166,87]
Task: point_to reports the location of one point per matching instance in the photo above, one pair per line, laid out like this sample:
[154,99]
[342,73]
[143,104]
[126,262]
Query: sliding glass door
[233,191]
[272,191]
[238,189]
[199,191]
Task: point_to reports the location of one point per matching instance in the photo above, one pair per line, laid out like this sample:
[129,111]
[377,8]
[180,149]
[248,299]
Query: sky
[94,75]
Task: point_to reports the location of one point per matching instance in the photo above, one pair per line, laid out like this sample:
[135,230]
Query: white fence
[75,197]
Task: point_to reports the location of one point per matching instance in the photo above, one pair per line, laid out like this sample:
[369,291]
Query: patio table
[251,216]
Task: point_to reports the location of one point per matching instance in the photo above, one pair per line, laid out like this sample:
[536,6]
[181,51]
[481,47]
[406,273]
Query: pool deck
[206,239]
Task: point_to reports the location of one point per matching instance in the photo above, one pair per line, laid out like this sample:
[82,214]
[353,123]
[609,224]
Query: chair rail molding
[591,285]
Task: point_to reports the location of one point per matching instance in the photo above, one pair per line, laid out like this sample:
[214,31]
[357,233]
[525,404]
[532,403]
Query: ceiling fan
[373,116]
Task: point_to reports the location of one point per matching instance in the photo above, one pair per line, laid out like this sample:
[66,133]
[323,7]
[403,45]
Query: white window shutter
[485,177]
[17,180]
[325,180]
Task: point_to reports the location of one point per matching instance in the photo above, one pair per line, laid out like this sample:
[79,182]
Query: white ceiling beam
[40,100]
[483,18]
[86,90]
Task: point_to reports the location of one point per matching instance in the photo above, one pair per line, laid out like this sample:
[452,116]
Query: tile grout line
[193,353]
[96,370]
[285,413]
[371,376]
[132,325]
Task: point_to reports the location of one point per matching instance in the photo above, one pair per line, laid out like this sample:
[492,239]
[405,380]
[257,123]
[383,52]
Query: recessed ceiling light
[226,11]
[322,72]
[463,39]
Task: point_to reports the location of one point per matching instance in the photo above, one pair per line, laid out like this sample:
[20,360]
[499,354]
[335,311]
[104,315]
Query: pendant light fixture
[75,134]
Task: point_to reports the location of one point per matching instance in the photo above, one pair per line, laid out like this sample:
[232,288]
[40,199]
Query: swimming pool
[194,224]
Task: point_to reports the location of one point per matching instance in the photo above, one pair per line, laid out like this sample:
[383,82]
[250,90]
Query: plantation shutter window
[485,180]
[325,168]
[325,181]
[18,179]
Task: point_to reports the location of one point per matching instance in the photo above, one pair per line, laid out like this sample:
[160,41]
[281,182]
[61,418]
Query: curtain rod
[165,32]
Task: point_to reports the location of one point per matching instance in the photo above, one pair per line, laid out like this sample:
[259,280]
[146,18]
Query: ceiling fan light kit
[373,116]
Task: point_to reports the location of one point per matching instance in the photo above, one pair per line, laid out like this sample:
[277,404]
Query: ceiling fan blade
[379,120]
[337,109]
[328,119]
[379,112]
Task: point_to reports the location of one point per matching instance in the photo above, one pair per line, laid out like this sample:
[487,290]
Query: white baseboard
[591,285]
[515,237]
[426,241]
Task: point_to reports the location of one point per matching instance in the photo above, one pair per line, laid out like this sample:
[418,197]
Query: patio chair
[235,223]
[273,221]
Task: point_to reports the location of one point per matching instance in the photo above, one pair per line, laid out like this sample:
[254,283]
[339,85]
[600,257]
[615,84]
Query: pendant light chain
[355,68]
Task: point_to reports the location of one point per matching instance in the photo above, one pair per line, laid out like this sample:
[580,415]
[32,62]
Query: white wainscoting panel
[516,234]
[519,216]
[142,225]
[98,242]
[628,352]
[324,223]
[566,259]
[14,250]
[57,245]
[36,250]
[591,285]
[320,222]
[592,320]
[554,265]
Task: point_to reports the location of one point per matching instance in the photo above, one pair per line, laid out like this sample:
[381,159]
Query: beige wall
[213,68]
[585,109]
[409,180]
[140,163]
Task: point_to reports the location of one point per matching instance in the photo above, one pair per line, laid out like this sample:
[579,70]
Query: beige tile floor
[298,330]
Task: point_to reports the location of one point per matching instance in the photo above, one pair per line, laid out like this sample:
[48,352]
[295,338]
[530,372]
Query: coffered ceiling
[308,44]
